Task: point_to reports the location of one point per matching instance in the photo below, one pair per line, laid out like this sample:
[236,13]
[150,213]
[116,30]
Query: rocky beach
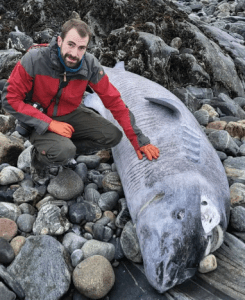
[65,240]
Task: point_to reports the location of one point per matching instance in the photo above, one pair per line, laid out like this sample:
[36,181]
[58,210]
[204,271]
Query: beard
[70,64]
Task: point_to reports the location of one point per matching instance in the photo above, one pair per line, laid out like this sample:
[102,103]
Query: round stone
[82,170]
[92,195]
[208,264]
[25,222]
[76,257]
[94,277]
[94,247]
[112,182]
[6,252]
[237,219]
[66,185]
[17,243]
[9,211]
[108,201]
[130,243]
[8,229]
[91,161]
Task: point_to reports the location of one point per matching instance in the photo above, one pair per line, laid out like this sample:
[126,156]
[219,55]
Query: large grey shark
[180,202]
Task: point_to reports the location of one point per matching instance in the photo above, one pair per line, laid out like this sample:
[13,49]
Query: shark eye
[204,203]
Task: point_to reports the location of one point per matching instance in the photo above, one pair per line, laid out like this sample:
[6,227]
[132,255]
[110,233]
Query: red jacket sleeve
[13,95]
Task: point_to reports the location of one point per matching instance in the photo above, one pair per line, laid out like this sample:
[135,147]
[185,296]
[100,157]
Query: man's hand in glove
[61,128]
[149,150]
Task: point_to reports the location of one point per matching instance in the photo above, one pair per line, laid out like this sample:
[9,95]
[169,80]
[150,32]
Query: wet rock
[76,257]
[208,264]
[11,175]
[5,293]
[156,46]
[202,116]
[242,150]
[217,125]
[66,185]
[17,244]
[221,155]
[190,101]
[22,195]
[237,219]
[6,195]
[118,248]
[84,211]
[82,170]
[130,244]
[236,129]
[92,195]
[12,282]
[26,208]
[91,185]
[240,101]
[50,221]
[8,229]
[124,215]
[237,194]
[228,106]
[91,161]
[72,242]
[6,123]
[25,222]
[24,159]
[30,268]
[102,233]
[43,36]
[6,252]
[8,59]
[94,247]
[222,141]
[211,111]
[103,167]
[235,169]
[19,41]
[94,277]
[9,211]
[112,182]
[108,201]
[95,177]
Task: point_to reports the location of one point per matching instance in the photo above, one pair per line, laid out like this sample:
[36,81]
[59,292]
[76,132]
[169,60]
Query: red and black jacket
[40,73]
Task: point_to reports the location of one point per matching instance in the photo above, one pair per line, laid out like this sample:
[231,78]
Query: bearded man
[55,79]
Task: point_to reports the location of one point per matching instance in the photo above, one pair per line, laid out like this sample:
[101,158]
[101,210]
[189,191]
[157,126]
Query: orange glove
[149,150]
[61,128]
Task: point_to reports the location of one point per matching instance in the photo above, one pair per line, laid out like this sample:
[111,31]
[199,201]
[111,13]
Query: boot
[39,172]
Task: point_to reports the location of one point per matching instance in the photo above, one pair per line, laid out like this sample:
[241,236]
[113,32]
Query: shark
[179,203]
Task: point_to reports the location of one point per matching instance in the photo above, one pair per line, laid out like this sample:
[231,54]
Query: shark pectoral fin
[169,103]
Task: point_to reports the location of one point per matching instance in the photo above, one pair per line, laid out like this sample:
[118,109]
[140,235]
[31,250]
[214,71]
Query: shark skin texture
[179,203]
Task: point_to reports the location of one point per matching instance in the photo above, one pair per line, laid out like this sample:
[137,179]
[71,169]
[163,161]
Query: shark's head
[174,235]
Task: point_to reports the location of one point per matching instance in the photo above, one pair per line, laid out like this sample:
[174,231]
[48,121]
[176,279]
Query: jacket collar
[57,65]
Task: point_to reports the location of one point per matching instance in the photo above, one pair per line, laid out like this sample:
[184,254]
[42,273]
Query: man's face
[72,48]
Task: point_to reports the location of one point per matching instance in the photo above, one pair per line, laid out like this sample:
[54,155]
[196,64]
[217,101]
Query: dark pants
[92,133]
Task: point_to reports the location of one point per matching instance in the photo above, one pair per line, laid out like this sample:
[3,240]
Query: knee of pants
[115,137]
[60,153]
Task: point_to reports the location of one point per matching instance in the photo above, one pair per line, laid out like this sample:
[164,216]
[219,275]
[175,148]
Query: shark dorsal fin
[169,103]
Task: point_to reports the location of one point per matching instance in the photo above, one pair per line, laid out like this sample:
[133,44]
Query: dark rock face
[141,34]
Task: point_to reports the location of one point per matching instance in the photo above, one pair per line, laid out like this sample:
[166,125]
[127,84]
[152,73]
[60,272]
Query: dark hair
[81,27]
